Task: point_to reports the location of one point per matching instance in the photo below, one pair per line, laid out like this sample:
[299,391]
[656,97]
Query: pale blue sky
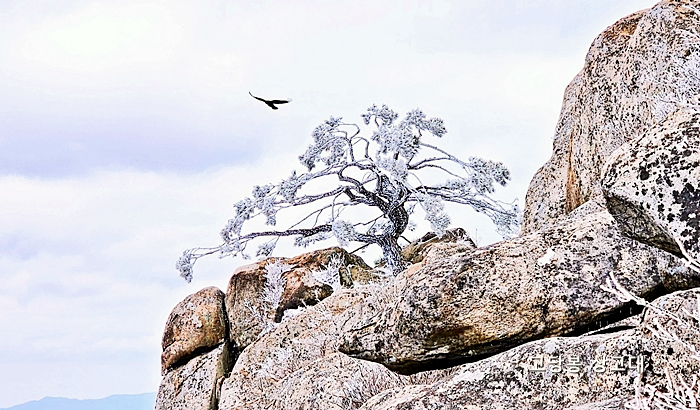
[127,133]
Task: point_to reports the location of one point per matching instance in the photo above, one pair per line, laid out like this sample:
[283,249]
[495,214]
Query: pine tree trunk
[392,254]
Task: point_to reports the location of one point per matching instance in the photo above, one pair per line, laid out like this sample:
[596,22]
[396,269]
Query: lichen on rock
[636,73]
[484,301]
[652,186]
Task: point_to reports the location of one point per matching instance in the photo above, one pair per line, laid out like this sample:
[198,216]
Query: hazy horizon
[144,401]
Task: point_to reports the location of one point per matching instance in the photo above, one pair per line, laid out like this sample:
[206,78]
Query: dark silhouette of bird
[271,103]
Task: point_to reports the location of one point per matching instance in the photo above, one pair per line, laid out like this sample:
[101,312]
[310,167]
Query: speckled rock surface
[293,345]
[635,73]
[618,403]
[245,287]
[482,302]
[196,384]
[582,373]
[333,382]
[417,250]
[306,345]
[196,324]
[674,355]
[545,374]
[652,186]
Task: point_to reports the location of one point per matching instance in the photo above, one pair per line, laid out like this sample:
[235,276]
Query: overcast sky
[126,133]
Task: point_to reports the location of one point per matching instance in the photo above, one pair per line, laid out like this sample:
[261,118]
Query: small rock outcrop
[635,73]
[417,250]
[337,381]
[478,303]
[196,324]
[617,403]
[652,186]
[195,385]
[301,284]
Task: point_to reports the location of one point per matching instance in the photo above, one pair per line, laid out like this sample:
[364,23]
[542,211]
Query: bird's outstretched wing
[257,98]
[270,103]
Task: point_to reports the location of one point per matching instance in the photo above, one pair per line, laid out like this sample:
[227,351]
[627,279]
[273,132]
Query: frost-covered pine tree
[391,174]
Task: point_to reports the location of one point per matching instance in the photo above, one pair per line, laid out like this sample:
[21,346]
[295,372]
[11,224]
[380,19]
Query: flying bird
[271,103]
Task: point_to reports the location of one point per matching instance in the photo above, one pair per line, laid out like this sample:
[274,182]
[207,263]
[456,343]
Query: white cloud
[99,280]
[99,36]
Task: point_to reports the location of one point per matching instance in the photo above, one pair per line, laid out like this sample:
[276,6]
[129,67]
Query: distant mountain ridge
[145,401]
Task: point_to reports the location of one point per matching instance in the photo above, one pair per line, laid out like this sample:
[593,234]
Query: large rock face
[482,302]
[634,74]
[249,315]
[196,324]
[591,372]
[652,186]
